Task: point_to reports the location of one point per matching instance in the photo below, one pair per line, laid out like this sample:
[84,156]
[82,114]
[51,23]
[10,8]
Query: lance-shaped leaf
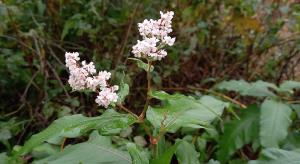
[255,89]
[166,157]
[98,149]
[137,156]
[183,111]
[186,153]
[274,122]
[76,125]
[239,132]
[88,153]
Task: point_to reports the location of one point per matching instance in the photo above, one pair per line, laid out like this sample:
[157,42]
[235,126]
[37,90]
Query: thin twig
[59,80]
[23,96]
[120,54]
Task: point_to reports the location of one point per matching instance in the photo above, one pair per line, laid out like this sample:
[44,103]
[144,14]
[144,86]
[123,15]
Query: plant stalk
[142,115]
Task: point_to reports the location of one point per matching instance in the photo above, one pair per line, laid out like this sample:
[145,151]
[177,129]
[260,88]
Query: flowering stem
[142,115]
[127,110]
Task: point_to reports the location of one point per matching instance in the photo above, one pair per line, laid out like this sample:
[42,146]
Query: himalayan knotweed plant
[168,126]
[155,38]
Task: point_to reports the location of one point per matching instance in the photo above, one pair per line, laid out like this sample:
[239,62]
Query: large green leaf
[277,156]
[274,122]
[183,111]
[76,125]
[88,153]
[239,132]
[186,153]
[255,89]
[137,156]
[166,157]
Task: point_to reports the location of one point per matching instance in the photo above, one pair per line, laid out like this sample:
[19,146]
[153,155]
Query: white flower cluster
[84,77]
[155,37]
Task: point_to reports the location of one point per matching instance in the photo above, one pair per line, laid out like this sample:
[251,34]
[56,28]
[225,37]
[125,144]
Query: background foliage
[215,41]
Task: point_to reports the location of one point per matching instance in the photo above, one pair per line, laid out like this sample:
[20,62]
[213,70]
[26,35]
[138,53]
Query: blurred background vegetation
[215,40]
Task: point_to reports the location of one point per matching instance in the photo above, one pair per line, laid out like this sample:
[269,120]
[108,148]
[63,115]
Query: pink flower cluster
[83,76]
[155,37]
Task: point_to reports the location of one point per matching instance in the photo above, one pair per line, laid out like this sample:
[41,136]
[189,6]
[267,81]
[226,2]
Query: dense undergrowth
[226,93]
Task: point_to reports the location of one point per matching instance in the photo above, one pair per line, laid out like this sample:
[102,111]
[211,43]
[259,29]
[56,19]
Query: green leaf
[88,153]
[183,111]
[162,146]
[289,86]
[166,157]
[76,125]
[3,158]
[292,141]
[237,133]
[137,156]
[67,27]
[277,156]
[123,92]
[96,138]
[142,65]
[296,108]
[238,86]
[5,134]
[44,150]
[255,89]
[212,161]
[274,122]
[186,153]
